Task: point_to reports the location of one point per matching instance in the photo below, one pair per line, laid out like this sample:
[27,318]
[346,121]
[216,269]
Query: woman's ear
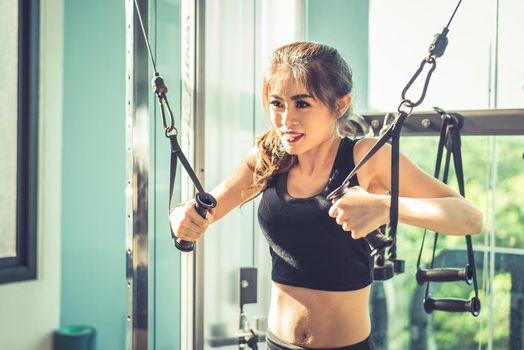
[343,104]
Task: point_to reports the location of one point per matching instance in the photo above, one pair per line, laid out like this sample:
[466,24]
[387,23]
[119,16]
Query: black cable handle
[204,201]
[450,139]
[380,242]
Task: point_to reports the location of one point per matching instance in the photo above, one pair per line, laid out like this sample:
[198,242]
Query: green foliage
[494,179]
[454,331]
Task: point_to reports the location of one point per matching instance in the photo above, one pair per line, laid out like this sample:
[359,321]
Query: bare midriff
[319,319]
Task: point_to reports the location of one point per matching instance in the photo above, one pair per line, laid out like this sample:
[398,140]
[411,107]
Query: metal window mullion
[191,281]
[129,170]
[199,115]
[137,187]
[476,122]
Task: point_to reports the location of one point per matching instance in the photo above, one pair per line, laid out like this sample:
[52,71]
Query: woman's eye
[275,104]
[302,104]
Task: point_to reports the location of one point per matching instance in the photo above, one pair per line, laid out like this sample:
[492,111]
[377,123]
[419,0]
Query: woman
[322,269]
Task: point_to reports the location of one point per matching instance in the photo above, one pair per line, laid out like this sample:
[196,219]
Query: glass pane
[481,69]
[505,225]
[8,125]
[229,129]
[492,173]
[423,152]
[510,89]
[400,33]
[240,36]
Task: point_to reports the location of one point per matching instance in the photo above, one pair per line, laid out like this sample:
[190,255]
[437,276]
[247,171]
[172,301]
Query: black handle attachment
[376,240]
[445,275]
[452,305]
[204,202]
[449,140]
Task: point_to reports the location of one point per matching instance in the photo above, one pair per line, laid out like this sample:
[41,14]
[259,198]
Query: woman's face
[301,121]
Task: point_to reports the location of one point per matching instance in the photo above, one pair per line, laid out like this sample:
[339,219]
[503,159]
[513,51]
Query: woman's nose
[288,118]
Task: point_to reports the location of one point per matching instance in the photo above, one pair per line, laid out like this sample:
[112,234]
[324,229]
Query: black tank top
[308,248]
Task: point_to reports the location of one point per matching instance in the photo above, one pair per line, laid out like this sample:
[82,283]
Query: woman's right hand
[186,223]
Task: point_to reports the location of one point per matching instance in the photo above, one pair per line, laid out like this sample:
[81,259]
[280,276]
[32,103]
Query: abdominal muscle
[319,319]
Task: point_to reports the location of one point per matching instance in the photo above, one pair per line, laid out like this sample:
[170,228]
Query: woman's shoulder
[367,173]
[251,158]
[363,146]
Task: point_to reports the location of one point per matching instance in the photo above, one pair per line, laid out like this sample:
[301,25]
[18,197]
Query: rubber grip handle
[204,202]
[383,272]
[378,242]
[445,275]
[452,305]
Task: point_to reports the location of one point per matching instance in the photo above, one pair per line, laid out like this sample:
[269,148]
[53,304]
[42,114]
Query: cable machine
[387,264]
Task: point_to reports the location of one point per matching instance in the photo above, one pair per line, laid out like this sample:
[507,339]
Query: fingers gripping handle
[376,240]
[452,305]
[204,202]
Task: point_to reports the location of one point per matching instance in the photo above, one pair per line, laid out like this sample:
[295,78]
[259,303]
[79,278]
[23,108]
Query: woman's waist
[315,318]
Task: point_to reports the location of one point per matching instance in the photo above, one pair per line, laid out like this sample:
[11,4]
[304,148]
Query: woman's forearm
[449,215]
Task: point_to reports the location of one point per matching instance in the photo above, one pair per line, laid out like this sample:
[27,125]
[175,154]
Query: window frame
[23,266]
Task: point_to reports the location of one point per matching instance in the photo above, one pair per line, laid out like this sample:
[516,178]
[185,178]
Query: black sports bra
[308,248]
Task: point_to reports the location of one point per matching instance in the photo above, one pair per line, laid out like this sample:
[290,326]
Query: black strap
[450,139]
[172,173]
[176,152]
[376,237]
[436,174]
[393,210]
[457,159]
[436,49]
[204,201]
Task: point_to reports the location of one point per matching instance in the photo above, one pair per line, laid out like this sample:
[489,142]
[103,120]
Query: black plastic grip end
[184,246]
[445,275]
[452,305]
[378,242]
[204,202]
[384,272]
[399,265]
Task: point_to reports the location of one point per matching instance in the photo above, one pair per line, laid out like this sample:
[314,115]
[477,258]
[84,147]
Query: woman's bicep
[416,183]
[413,181]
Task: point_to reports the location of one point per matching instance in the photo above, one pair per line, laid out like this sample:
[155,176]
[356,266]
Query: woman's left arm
[423,200]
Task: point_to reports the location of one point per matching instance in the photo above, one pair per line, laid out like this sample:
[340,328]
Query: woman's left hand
[360,212]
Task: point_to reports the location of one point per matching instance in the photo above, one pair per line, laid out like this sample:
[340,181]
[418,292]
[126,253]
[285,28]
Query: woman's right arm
[188,225]
[231,192]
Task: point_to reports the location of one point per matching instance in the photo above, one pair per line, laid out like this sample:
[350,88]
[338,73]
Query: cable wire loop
[405,103]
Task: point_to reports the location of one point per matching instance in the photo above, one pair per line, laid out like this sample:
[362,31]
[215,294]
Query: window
[480,74]
[18,138]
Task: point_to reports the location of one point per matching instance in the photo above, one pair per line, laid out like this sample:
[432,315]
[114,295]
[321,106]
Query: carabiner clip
[160,89]
[428,60]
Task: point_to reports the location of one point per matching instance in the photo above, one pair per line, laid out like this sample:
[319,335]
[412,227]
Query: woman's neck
[319,159]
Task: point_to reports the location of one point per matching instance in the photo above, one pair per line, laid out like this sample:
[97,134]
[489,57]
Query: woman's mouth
[292,137]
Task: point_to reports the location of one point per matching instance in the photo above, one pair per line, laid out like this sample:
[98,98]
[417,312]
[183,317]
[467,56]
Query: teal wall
[343,24]
[93,287]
